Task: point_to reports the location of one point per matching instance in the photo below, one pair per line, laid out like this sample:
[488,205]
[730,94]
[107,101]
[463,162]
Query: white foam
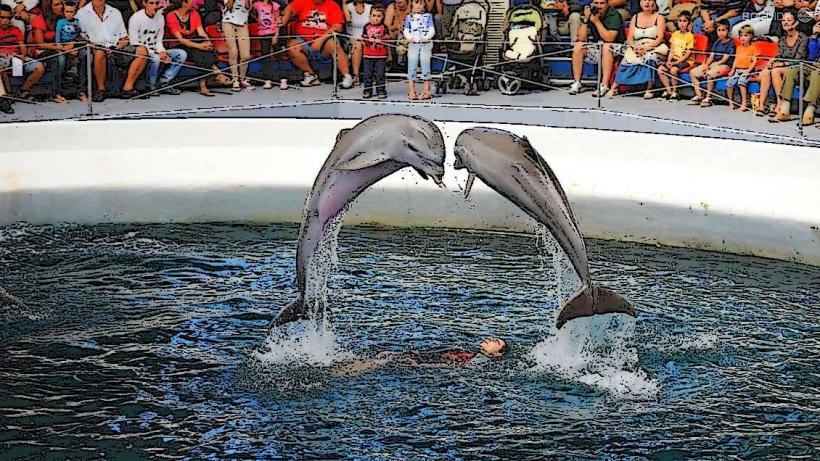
[596,351]
[303,343]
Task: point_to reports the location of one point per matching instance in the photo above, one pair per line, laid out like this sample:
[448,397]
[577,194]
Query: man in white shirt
[103,27]
[146,28]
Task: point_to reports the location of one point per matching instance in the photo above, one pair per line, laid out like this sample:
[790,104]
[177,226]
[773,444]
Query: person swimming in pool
[488,349]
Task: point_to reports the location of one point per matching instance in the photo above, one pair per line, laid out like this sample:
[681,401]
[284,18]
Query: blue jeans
[419,54]
[152,72]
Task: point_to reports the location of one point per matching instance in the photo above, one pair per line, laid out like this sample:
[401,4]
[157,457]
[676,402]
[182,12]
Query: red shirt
[315,19]
[375,50]
[38,22]
[174,25]
[10,40]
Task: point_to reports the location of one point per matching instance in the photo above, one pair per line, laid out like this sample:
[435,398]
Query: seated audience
[5,102]
[102,27]
[564,19]
[790,70]
[357,15]
[42,46]
[184,27]
[645,47]
[315,22]
[147,30]
[13,47]
[742,68]
[718,63]
[266,14]
[758,14]
[599,24]
[680,58]
[813,93]
[713,10]
[791,48]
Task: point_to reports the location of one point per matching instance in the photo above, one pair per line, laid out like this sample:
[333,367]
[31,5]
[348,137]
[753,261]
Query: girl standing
[235,28]
[419,31]
[267,17]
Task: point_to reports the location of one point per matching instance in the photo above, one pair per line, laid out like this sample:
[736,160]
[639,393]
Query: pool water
[150,341]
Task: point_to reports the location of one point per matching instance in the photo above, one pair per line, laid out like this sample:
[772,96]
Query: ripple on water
[151,340]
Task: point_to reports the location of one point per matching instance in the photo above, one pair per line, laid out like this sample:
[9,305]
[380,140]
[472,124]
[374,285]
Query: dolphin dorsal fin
[363,160]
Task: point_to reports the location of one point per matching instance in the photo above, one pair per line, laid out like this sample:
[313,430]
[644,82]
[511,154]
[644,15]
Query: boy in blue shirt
[717,64]
[67,34]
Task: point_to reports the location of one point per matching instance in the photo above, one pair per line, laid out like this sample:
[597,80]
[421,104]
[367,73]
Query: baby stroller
[521,54]
[465,51]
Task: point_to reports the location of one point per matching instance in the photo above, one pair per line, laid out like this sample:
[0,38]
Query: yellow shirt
[680,43]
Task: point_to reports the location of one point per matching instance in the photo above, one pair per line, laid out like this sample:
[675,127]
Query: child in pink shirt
[266,13]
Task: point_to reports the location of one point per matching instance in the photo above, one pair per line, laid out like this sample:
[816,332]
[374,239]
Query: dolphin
[373,149]
[510,165]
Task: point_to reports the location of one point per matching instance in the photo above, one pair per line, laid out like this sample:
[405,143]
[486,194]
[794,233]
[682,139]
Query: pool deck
[553,108]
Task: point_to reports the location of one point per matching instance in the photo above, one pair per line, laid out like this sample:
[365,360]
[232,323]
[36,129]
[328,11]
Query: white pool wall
[724,195]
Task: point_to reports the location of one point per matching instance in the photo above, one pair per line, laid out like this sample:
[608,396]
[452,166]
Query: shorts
[592,54]
[122,57]
[29,65]
[738,79]
[313,55]
[681,66]
[714,71]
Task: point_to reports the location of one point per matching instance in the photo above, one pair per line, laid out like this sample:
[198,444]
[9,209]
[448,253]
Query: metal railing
[449,68]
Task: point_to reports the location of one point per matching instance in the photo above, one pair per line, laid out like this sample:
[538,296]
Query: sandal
[665,95]
[674,96]
[207,93]
[425,96]
[649,95]
[706,103]
[612,93]
[25,95]
[222,79]
[780,117]
[59,99]
[695,101]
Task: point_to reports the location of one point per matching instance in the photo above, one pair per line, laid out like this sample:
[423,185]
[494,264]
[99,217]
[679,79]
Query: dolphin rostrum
[510,165]
[373,149]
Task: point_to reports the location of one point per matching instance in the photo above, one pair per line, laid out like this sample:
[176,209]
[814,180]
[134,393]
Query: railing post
[335,67]
[800,101]
[600,71]
[88,93]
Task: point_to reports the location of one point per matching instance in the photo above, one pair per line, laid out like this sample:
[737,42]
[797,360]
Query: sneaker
[246,85]
[236,86]
[382,95]
[347,82]
[5,106]
[575,88]
[367,94]
[601,91]
[99,96]
[267,85]
[171,90]
[310,80]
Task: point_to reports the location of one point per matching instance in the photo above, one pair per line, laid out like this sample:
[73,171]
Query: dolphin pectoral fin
[583,305]
[362,160]
[294,311]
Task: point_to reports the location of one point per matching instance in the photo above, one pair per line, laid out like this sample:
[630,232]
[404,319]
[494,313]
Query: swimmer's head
[493,347]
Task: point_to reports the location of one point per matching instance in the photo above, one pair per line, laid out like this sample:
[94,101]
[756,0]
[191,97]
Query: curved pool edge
[713,194]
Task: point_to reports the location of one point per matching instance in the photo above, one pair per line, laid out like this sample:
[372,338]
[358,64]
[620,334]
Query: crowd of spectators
[636,42]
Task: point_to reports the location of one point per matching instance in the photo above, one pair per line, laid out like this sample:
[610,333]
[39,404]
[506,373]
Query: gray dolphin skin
[510,165]
[373,149]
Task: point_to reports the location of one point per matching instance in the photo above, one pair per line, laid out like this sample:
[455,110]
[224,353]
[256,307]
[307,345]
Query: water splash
[303,343]
[323,266]
[596,351]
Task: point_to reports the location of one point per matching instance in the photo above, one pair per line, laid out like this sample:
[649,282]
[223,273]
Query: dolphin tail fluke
[296,310]
[598,301]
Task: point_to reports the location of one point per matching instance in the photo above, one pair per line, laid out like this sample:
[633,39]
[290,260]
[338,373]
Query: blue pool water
[150,341]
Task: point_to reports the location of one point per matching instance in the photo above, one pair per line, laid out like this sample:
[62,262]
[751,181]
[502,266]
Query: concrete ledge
[717,194]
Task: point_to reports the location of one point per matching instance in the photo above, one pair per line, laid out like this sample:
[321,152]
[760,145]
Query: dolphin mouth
[439,180]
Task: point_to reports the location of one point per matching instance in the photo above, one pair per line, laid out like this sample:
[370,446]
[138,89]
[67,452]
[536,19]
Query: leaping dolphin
[373,149]
[511,166]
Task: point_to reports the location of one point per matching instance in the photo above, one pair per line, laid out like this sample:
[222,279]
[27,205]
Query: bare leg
[100,62]
[136,68]
[743,94]
[33,77]
[341,57]
[298,56]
